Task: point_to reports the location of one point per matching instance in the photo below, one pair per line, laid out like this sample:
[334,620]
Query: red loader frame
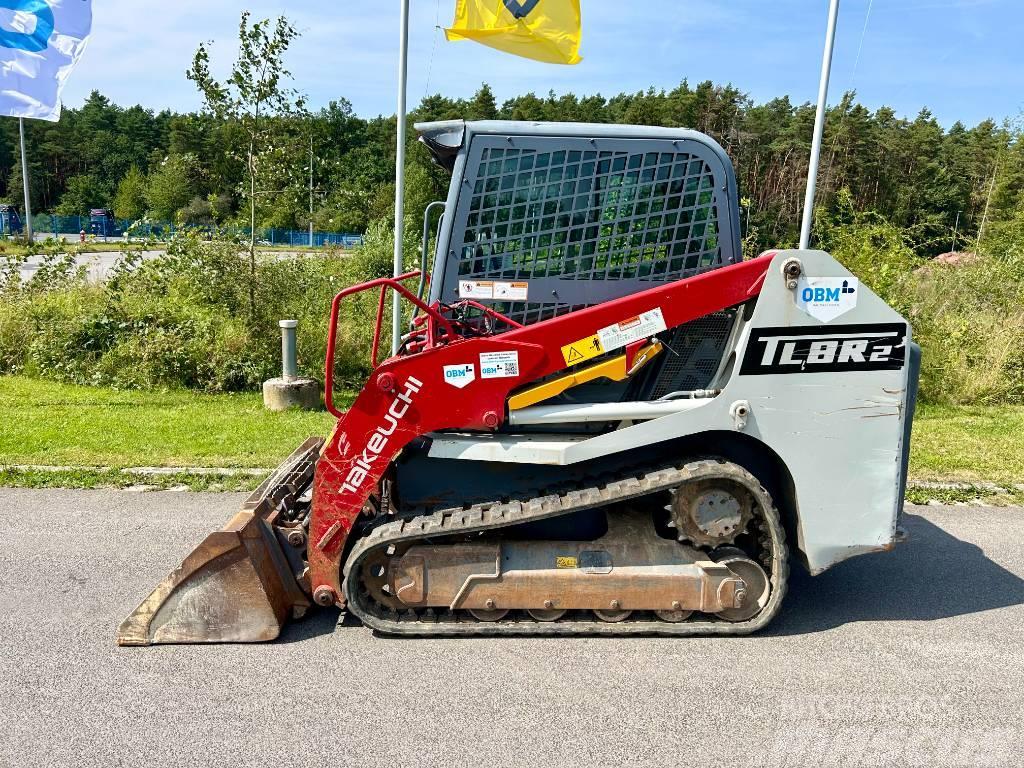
[406,396]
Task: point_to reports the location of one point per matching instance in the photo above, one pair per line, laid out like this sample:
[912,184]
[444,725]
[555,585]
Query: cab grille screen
[590,215]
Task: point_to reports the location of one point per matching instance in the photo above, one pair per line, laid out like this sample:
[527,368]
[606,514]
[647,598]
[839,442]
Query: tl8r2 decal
[842,348]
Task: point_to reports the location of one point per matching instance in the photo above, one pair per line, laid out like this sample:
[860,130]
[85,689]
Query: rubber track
[493,515]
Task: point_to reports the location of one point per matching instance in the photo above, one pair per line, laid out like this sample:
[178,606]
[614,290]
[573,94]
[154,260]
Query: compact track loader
[601,420]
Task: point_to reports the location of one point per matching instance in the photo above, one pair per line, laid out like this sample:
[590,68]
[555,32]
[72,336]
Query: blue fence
[59,226]
[300,237]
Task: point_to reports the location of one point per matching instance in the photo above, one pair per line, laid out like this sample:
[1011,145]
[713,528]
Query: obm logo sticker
[460,376]
[826,298]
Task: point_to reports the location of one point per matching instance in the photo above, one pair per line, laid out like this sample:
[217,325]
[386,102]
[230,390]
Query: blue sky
[960,58]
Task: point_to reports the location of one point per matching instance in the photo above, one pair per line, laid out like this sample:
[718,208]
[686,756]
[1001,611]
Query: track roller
[483,614]
[546,614]
[673,617]
[612,617]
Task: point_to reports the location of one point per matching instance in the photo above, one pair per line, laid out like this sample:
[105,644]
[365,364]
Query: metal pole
[956,226]
[819,124]
[310,191]
[403,77]
[24,181]
[289,358]
[988,200]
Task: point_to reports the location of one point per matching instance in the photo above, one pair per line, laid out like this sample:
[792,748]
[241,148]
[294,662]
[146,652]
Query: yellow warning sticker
[582,350]
[565,562]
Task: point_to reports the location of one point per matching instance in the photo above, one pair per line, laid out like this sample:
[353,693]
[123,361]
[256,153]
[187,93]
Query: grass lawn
[42,422]
[969,443]
[45,423]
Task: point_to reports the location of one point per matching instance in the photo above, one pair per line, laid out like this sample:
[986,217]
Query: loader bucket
[240,584]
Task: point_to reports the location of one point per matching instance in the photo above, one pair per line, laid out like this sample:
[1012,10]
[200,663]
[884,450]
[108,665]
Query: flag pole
[24,181]
[819,125]
[403,77]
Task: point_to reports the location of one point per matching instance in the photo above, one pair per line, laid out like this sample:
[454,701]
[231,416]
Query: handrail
[424,244]
[394,283]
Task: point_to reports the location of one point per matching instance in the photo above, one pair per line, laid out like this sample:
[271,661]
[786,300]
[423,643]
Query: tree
[15,186]
[199,211]
[171,186]
[920,176]
[252,97]
[83,192]
[130,200]
[483,105]
[220,206]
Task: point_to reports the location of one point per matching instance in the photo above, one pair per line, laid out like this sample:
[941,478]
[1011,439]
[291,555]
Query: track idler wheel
[755,595]
[375,578]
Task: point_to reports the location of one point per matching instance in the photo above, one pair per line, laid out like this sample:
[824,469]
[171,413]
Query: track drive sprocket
[711,513]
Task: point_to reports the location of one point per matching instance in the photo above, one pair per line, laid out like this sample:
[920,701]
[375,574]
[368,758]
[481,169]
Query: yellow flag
[545,30]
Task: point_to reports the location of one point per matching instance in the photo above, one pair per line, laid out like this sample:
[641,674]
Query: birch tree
[254,96]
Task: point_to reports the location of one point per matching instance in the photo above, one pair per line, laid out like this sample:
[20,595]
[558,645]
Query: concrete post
[290,391]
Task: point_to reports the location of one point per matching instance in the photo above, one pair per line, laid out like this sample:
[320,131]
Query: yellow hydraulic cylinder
[614,368]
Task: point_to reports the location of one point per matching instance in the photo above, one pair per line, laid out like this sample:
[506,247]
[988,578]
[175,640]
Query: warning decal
[582,350]
[565,562]
[512,291]
[492,289]
[634,329]
[476,289]
[615,337]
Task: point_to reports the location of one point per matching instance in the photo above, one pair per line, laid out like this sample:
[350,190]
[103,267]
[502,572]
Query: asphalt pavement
[100,264]
[908,658]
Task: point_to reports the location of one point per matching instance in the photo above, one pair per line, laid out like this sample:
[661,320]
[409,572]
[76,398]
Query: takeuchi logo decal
[38,38]
[521,8]
[381,436]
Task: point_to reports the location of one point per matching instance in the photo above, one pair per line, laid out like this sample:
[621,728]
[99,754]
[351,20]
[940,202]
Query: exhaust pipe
[242,583]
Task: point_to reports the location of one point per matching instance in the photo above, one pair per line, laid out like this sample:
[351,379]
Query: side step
[238,585]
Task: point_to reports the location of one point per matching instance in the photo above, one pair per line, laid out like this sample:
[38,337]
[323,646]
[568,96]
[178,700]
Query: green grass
[99,431]
[64,425]
[969,443]
[111,478]
[996,497]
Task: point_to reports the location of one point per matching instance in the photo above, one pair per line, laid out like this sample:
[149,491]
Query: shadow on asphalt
[934,575]
[319,621]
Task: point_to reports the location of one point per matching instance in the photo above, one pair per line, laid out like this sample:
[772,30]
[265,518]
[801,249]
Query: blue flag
[40,43]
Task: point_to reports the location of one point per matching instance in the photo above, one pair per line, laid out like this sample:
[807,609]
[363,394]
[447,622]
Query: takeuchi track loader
[601,419]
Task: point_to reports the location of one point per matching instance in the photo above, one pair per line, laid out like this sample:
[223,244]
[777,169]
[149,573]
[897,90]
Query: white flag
[40,43]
